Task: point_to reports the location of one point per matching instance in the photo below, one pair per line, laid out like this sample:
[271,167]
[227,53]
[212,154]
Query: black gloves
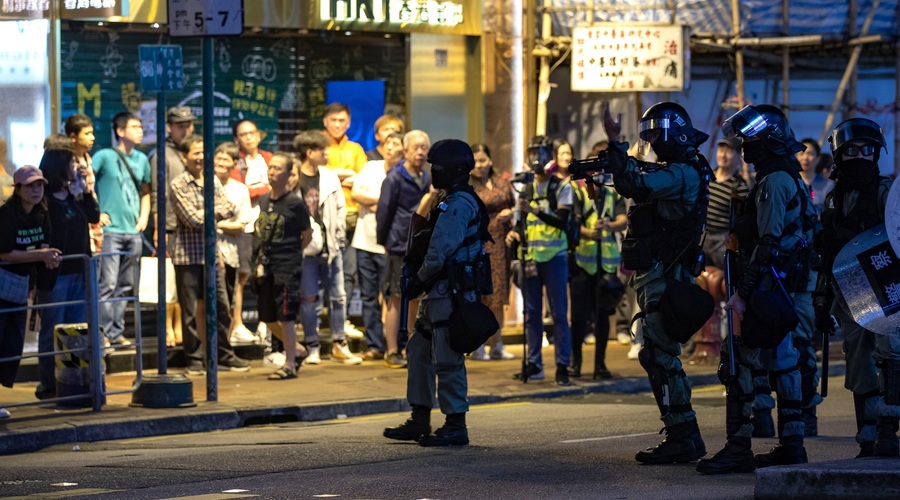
[618,157]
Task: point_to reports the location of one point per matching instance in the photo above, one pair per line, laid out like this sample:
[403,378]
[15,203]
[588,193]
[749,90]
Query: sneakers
[341,352]
[533,371]
[313,358]
[241,335]
[562,376]
[4,413]
[544,342]
[590,339]
[498,354]
[623,338]
[352,332]
[196,369]
[372,355]
[394,360]
[275,359]
[480,355]
[633,353]
[234,364]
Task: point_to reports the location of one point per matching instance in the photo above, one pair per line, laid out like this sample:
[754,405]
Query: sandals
[283,373]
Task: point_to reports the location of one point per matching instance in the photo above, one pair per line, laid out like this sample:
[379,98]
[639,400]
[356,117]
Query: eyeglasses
[865,150]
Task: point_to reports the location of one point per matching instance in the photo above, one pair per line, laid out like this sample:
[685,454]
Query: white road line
[608,437]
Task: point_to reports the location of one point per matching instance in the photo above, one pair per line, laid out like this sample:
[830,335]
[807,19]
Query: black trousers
[586,315]
[191,284]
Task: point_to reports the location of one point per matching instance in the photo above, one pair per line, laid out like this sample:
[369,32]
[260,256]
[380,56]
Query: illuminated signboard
[615,57]
[70,9]
[430,12]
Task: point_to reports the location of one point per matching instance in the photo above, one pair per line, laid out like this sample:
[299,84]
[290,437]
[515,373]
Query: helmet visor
[653,129]
[850,130]
[747,122]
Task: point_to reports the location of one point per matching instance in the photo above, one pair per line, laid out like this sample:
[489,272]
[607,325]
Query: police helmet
[856,129]
[452,153]
[668,129]
[765,122]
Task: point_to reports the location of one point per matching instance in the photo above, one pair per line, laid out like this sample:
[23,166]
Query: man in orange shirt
[346,158]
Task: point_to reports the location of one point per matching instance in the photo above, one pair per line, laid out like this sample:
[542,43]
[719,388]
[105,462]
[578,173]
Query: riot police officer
[856,204]
[455,234]
[665,225]
[773,233]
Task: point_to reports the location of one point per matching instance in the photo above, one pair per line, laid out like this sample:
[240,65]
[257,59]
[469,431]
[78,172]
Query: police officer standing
[456,229]
[856,204]
[773,233]
[665,225]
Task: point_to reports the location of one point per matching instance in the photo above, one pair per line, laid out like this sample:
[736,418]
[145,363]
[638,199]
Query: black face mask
[444,177]
[753,152]
[856,173]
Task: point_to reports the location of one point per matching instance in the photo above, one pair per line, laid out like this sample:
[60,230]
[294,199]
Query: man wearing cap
[456,224]
[728,182]
[123,188]
[179,124]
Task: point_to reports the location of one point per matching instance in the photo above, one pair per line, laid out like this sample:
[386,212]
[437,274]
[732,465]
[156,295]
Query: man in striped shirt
[728,182]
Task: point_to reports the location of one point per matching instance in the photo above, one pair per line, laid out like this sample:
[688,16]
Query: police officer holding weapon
[663,246]
[773,232]
[447,264]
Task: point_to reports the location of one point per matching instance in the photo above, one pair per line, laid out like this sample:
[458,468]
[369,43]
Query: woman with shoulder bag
[24,238]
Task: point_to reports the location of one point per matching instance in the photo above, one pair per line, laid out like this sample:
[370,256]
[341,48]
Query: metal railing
[96,348]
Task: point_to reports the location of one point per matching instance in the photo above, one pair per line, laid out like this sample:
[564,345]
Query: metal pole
[850,96]
[53,58]
[518,107]
[738,54]
[786,60]
[209,223]
[162,355]
[896,110]
[540,125]
[93,317]
[851,67]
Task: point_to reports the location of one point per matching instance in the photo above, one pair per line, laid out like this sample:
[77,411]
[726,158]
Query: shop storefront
[420,60]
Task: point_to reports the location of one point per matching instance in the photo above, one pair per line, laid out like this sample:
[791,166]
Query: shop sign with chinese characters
[71,9]
[430,12]
[616,57]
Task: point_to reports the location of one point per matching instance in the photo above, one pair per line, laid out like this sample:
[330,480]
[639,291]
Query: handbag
[317,244]
[471,325]
[13,287]
[148,290]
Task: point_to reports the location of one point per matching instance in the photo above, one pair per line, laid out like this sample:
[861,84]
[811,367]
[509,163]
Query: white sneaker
[544,342]
[623,338]
[313,358]
[590,339]
[501,354]
[4,413]
[352,332]
[262,333]
[241,335]
[275,359]
[479,355]
[341,351]
[633,353]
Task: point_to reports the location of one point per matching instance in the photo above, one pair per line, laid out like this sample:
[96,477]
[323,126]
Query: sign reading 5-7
[205,17]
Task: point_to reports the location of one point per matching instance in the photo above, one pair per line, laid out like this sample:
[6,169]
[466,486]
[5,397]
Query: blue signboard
[161,68]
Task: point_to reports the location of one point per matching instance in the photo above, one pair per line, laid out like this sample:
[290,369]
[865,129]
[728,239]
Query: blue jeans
[372,271]
[68,287]
[554,275]
[319,275]
[118,276]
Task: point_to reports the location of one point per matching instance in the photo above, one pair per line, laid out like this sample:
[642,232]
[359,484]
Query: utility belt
[472,276]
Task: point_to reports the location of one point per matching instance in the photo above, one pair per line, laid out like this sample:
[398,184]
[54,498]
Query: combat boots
[452,433]
[788,451]
[735,457]
[810,422]
[682,444]
[886,442]
[415,428]
[763,425]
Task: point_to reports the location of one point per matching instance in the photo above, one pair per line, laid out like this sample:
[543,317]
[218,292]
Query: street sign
[205,17]
[161,68]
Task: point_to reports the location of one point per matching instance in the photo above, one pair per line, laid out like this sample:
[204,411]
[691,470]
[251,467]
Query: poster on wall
[616,57]
[366,102]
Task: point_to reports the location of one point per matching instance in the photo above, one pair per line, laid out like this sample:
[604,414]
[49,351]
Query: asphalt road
[576,447]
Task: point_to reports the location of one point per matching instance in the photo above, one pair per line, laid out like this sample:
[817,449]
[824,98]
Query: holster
[472,276]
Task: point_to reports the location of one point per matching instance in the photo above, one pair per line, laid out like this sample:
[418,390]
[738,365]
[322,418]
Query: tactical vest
[838,228]
[652,238]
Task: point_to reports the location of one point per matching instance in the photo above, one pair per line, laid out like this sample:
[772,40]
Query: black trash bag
[685,308]
[471,325]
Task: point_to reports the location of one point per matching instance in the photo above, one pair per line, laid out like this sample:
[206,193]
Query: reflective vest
[586,251]
[544,241]
[610,254]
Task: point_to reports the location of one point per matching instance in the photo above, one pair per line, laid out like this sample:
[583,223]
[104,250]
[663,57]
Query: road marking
[210,496]
[609,437]
[710,388]
[62,494]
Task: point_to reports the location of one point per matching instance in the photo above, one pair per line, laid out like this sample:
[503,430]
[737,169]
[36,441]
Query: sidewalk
[327,391]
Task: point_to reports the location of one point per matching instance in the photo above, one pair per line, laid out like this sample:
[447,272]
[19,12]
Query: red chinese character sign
[615,57]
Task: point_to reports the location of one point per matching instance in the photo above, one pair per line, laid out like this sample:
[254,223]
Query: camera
[589,167]
[523,178]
